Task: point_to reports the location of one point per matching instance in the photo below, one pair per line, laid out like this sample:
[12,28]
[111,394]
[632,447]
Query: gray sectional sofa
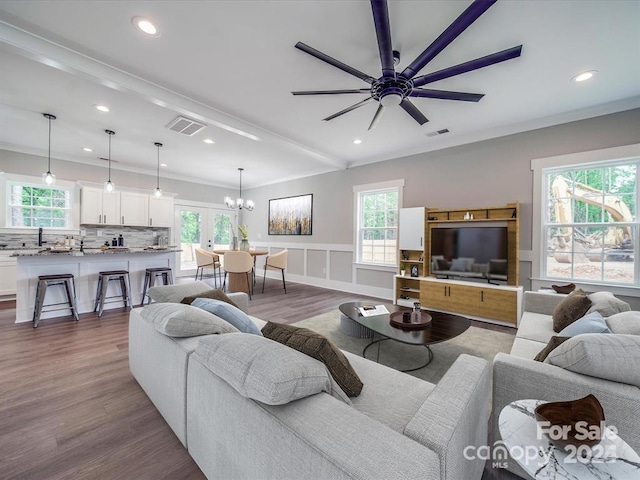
[398,427]
[516,376]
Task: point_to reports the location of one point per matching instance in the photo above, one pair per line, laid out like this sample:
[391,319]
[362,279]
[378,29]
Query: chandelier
[239,202]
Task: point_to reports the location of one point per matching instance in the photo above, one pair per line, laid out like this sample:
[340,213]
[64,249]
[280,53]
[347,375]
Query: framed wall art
[291,215]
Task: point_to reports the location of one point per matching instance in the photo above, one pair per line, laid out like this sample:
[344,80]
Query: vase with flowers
[244,233]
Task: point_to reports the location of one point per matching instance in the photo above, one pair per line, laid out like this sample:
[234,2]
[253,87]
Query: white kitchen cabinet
[160,211]
[134,208]
[8,275]
[411,236]
[99,208]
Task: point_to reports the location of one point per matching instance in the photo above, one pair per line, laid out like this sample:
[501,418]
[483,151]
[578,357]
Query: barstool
[103,283]
[150,279]
[45,281]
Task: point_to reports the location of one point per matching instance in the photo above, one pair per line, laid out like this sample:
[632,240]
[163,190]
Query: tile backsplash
[133,236]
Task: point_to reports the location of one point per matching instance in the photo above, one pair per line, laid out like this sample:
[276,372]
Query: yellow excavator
[618,243]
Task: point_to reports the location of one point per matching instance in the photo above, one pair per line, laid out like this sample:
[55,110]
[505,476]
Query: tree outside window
[35,206]
[378,227]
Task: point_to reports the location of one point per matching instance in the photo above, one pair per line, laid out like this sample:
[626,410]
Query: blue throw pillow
[229,313]
[591,323]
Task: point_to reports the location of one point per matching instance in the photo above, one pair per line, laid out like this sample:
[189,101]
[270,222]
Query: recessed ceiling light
[581,77]
[87,149]
[145,26]
[163,164]
[357,141]
[209,141]
[102,108]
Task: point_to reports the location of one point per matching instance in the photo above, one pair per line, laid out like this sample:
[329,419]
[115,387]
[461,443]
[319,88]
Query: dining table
[237,282]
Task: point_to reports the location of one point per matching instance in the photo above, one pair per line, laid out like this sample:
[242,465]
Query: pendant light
[157,192]
[49,178]
[109,187]
[239,202]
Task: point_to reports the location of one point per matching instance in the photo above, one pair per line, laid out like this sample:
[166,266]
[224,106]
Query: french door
[207,228]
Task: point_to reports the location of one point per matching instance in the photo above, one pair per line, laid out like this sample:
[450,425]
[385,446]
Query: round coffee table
[443,327]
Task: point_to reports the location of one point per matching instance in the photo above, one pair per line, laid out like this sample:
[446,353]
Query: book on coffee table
[372,310]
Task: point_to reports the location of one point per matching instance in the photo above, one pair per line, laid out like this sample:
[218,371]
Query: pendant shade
[157,192]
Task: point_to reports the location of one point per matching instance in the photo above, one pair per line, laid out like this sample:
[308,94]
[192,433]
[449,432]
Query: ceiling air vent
[439,132]
[185,126]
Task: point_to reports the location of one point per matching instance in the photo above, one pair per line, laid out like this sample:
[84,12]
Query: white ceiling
[233,64]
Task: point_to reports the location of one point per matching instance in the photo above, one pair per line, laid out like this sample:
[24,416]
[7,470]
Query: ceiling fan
[394,88]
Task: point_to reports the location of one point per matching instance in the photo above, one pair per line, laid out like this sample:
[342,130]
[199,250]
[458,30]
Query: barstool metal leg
[127,286]
[103,295]
[70,297]
[98,290]
[41,291]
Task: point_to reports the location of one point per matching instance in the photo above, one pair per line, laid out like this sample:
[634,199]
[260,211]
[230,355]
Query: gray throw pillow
[231,314]
[626,323]
[591,323]
[608,356]
[607,304]
[570,309]
[498,267]
[459,265]
[262,369]
[443,264]
[179,320]
[175,293]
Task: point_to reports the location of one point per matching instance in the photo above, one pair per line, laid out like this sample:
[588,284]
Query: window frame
[7,181]
[594,159]
[373,188]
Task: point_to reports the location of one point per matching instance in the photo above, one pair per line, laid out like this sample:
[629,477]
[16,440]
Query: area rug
[478,342]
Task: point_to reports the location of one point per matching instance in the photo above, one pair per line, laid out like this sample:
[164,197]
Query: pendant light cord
[109,158]
[49,163]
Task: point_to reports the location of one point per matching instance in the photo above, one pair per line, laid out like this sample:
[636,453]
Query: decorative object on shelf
[403,269]
[565,416]
[414,271]
[239,202]
[244,242]
[405,254]
[49,178]
[109,187]
[157,192]
[568,288]
[291,215]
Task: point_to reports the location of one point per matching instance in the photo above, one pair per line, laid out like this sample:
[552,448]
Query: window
[33,205]
[590,227]
[377,224]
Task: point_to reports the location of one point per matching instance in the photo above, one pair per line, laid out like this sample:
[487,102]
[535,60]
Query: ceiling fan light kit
[394,88]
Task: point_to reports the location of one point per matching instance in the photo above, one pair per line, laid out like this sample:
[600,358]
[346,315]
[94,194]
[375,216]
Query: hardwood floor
[70,408]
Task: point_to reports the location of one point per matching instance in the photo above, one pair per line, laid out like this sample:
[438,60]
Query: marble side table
[612,458]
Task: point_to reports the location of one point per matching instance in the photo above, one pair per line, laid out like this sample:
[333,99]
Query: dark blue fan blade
[336,63]
[481,62]
[459,25]
[412,110]
[348,109]
[445,95]
[332,92]
[383,32]
[376,117]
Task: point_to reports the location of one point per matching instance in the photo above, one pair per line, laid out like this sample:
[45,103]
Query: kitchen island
[85,267]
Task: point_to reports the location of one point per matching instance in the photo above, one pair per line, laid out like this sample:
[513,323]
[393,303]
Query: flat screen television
[480,243]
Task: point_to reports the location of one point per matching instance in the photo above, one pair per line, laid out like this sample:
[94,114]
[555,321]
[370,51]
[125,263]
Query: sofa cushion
[175,293]
[229,313]
[607,304]
[262,369]
[319,347]
[458,265]
[525,348]
[535,326]
[179,320]
[443,264]
[609,356]
[627,323]
[555,341]
[216,294]
[591,323]
[570,309]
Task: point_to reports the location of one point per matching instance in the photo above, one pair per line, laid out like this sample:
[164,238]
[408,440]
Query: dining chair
[277,261]
[207,259]
[238,261]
